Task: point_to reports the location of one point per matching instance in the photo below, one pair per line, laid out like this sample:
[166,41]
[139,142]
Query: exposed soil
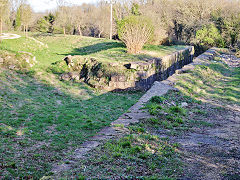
[213,152]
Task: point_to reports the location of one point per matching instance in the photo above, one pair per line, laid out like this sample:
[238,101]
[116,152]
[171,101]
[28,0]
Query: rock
[118,78]
[74,75]
[1,60]
[65,77]
[70,76]
[184,104]
[173,103]
[68,60]
[12,67]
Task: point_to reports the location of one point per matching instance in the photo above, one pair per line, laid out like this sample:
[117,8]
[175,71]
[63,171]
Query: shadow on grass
[95,48]
[218,82]
[52,122]
[110,51]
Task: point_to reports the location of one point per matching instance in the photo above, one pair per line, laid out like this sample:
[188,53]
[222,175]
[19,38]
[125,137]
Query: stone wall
[115,76]
[146,73]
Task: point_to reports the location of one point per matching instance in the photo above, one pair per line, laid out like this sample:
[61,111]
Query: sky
[43,5]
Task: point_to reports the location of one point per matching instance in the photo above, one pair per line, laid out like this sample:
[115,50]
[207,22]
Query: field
[42,119]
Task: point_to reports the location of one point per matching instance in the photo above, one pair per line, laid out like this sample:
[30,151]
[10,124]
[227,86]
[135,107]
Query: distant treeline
[202,23]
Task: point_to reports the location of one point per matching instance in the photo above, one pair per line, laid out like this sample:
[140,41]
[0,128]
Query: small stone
[68,59]
[1,60]
[173,103]
[12,67]
[65,77]
[184,104]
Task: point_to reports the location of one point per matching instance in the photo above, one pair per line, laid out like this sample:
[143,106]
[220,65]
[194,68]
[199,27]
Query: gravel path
[9,36]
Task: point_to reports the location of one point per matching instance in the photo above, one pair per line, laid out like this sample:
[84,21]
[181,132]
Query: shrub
[135,32]
[58,67]
[210,36]
[157,99]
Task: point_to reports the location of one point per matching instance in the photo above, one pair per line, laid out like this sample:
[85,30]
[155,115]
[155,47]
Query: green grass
[138,155]
[42,119]
[60,46]
[146,152]
[40,123]
[214,81]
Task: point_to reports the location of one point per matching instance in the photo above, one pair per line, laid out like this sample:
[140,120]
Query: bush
[58,67]
[135,32]
[157,99]
[210,36]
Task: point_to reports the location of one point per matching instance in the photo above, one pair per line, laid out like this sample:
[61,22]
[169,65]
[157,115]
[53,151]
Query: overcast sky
[43,5]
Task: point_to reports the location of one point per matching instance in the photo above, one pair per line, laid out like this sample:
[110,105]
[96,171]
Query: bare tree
[135,31]
[102,13]
[78,18]
[65,16]
[26,15]
[4,11]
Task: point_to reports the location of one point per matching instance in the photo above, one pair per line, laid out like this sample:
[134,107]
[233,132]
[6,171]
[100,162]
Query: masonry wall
[146,73]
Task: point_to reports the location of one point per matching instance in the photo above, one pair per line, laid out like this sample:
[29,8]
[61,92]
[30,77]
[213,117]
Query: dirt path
[213,152]
[9,36]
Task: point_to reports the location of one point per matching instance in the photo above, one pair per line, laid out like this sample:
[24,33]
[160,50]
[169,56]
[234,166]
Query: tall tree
[26,15]
[4,10]
[17,24]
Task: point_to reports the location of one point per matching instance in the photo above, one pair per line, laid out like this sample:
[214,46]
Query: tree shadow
[115,52]
[95,48]
[53,121]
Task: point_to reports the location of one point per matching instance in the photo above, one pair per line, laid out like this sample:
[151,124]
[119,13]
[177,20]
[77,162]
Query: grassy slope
[215,81]
[43,119]
[146,152]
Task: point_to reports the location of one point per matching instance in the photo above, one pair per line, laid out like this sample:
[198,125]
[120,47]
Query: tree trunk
[79,30]
[0,30]
[23,29]
[64,31]
[26,30]
[1,26]
[99,35]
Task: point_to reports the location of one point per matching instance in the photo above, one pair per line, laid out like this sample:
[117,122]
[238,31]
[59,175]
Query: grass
[214,81]
[60,46]
[40,123]
[139,156]
[147,152]
[42,119]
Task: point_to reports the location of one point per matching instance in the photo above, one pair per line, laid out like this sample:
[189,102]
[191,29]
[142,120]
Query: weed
[157,99]
[126,144]
[177,110]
